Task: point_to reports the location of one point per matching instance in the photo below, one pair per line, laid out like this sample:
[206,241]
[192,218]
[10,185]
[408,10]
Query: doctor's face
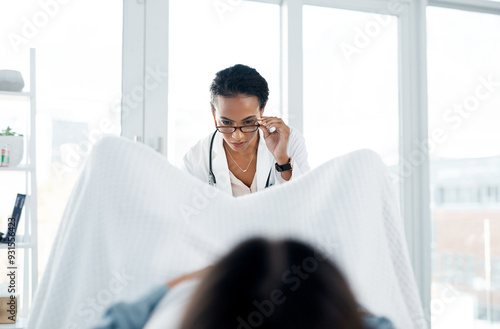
[241,110]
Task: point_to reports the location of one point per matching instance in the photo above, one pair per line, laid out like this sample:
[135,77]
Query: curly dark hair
[257,276]
[239,79]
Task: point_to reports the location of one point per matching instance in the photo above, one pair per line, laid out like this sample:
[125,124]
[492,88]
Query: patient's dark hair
[261,272]
[239,79]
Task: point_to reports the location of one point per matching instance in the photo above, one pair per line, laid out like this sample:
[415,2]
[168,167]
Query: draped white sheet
[134,220]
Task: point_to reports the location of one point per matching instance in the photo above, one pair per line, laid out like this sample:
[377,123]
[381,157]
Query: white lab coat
[196,161]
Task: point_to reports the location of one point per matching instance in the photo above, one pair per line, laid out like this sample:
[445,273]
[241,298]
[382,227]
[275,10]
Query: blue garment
[377,322]
[134,315]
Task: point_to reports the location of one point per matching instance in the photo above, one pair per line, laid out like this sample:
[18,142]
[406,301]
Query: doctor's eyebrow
[252,116]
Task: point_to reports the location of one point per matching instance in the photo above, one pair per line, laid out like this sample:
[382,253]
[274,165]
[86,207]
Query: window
[464,97]
[204,39]
[350,83]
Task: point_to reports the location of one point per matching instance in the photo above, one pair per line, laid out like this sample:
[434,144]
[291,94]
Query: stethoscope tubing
[211,176]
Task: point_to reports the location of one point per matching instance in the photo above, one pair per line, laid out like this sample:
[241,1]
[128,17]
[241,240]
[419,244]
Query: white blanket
[134,220]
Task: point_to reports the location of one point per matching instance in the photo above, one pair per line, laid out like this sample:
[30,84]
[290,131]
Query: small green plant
[9,132]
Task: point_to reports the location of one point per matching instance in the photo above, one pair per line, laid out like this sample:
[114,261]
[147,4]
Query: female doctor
[248,151]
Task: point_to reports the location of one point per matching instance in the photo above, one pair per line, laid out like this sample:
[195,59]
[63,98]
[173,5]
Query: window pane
[350,83]
[206,37]
[464,102]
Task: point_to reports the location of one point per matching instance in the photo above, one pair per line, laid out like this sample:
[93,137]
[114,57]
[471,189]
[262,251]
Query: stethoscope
[211,177]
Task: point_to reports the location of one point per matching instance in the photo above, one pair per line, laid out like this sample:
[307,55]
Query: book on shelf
[13,221]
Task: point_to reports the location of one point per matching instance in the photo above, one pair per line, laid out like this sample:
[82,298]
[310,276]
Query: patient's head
[273,284]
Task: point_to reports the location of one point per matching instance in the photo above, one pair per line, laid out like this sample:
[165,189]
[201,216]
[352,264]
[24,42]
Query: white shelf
[23,94]
[21,322]
[27,238]
[18,168]
[19,245]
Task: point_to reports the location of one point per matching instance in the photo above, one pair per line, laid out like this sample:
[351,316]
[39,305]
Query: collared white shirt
[239,188]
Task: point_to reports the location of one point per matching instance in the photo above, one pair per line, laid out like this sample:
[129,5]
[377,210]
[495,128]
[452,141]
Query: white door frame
[145,72]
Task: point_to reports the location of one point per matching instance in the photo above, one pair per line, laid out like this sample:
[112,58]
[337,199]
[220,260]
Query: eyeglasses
[244,129]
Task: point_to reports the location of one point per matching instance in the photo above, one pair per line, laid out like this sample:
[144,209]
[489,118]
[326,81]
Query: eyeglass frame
[238,127]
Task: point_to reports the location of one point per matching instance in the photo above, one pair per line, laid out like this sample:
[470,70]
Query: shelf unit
[27,240]
[15,94]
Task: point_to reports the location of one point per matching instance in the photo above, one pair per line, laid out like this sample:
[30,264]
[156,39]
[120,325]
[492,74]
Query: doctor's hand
[188,276]
[276,141]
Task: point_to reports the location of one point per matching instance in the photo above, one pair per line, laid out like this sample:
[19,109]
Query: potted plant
[15,143]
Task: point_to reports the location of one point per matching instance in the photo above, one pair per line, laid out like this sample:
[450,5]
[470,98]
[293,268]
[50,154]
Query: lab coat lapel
[265,161]
[219,165]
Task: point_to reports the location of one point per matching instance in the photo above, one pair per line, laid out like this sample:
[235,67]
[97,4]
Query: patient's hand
[188,276]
